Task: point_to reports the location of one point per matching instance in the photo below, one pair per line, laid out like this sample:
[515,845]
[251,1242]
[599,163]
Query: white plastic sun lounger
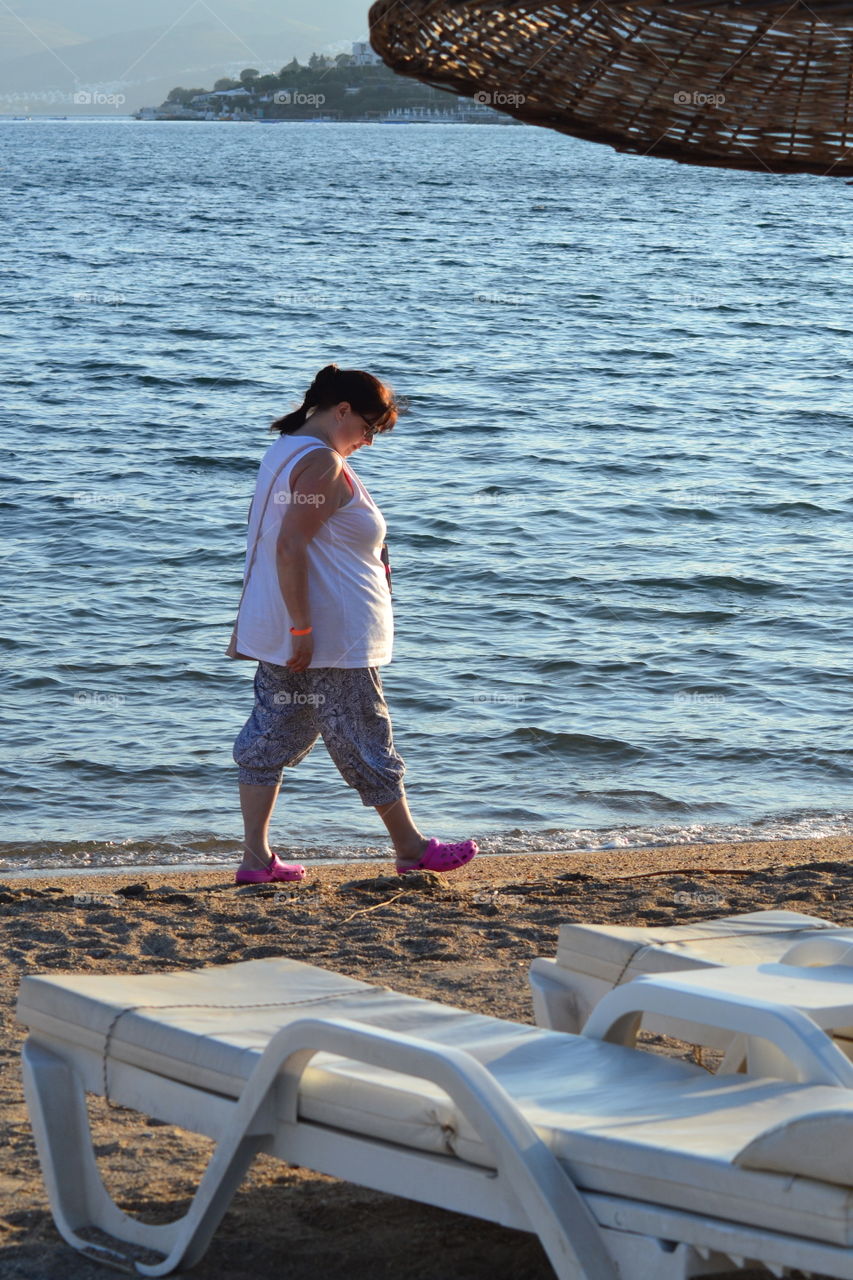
[593,959]
[627,1165]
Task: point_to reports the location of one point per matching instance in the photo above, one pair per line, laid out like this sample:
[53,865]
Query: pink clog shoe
[274,870]
[443,857]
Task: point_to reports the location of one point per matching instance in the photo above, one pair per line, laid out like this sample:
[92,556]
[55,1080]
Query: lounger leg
[735,1057]
[559,1003]
[648,1258]
[78,1197]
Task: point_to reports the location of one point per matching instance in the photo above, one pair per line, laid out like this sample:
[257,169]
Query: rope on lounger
[267,1004]
[641,949]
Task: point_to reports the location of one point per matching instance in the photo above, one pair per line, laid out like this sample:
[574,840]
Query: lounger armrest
[447,1067]
[816,1058]
[544,1189]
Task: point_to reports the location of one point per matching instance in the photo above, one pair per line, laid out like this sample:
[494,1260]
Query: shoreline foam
[697,857]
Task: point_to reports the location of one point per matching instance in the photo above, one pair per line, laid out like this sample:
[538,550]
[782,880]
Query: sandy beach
[466,939]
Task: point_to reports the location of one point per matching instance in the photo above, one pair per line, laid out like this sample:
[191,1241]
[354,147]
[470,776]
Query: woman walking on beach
[316,613]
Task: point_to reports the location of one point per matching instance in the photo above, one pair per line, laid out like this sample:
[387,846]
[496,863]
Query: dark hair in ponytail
[332,385]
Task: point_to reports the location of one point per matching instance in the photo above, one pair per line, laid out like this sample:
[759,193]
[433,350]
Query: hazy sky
[52,47]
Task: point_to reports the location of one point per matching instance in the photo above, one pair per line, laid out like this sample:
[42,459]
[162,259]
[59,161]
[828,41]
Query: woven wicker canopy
[745,85]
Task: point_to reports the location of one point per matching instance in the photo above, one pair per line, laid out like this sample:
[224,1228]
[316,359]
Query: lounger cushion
[615,953]
[624,1121]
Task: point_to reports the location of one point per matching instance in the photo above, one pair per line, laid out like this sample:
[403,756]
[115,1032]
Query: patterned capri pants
[343,704]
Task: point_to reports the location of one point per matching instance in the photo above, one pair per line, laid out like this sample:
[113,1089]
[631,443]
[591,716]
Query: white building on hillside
[363,55]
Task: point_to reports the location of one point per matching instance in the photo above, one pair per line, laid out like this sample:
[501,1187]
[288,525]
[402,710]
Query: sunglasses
[371,428]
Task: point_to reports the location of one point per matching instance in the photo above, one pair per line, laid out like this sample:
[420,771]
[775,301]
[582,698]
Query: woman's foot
[435,856]
[255,870]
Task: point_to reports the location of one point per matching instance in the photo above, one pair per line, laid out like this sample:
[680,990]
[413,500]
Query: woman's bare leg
[409,842]
[257,804]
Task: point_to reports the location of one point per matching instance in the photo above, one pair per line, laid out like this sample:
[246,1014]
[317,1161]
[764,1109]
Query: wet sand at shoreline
[465,939]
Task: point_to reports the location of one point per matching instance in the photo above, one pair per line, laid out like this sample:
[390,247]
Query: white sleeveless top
[348,598]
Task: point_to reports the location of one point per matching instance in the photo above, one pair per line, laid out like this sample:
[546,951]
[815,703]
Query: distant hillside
[338,88]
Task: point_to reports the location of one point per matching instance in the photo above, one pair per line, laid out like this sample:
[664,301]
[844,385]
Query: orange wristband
[306,632]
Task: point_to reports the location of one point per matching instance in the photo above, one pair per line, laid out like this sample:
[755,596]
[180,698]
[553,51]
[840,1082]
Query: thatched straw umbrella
[746,85]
